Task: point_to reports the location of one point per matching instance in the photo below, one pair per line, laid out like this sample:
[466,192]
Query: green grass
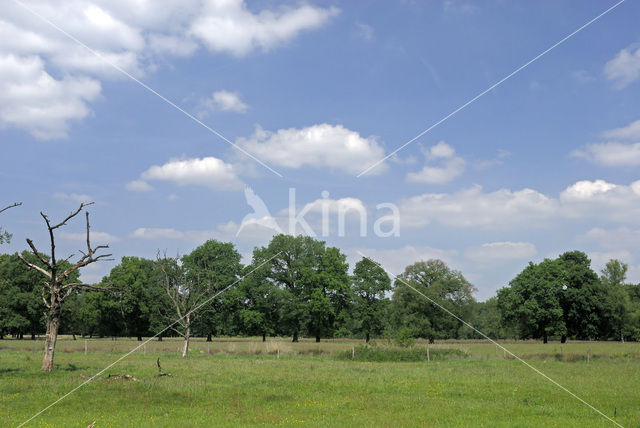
[241,382]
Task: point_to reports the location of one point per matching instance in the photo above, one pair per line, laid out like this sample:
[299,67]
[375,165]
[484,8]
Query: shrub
[404,337]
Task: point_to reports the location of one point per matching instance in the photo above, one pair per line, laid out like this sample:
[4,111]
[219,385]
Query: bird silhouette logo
[260,214]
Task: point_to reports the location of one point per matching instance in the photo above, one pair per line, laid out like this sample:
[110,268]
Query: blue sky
[319,91]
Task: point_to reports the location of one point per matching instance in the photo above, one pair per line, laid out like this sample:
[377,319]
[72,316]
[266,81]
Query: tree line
[298,286]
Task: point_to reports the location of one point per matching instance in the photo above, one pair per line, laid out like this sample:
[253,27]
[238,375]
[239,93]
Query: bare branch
[85,260]
[88,257]
[35,267]
[34,250]
[88,287]
[178,331]
[70,216]
[44,299]
[15,204]
[88,227]
[65,294]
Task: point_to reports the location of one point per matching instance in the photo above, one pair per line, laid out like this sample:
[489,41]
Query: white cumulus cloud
[603,200]
[624,68]
[317,146]
[586,190]
[629,132]
[96,237]
[138,186]
[506,209]
[230,26]
[222,101]
[76,197]
[611,153]
[615,153]
[496,252]
[346,205]
[475,208]
[135,36]
[209,172]
[254,234]
[613,239]
[31,99]
[395,260]
[442,165]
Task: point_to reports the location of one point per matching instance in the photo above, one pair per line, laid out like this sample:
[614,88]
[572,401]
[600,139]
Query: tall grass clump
[389,354]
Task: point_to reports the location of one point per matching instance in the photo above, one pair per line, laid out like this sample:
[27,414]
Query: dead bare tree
[186,294]
[54,288]
[4,235]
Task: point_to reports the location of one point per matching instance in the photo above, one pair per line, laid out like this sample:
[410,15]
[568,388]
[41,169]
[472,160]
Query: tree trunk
[53,322]
[544,338]
[21,336]
[209,338]
[33,336]
[185,347]
[139,338]
[317,338]
[563,339]
[367,338]
[295,336]
[160,338]
[187,332]
[264,337]
[74,336]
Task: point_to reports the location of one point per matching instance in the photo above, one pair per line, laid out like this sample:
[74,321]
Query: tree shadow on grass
[72,367]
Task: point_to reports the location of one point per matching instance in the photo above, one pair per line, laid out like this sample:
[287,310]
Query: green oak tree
[218,264]
[370,283]
[561,297]
[21,305]
[261,302]
[619,306]
[447,287]
[583,297]
[531,303]
[486,318]
[313,283]
[133,281]
[329,294]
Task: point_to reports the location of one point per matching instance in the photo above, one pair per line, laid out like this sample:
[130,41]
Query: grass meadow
[240,382]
